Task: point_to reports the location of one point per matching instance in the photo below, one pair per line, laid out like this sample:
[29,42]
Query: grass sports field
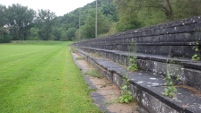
[41,77]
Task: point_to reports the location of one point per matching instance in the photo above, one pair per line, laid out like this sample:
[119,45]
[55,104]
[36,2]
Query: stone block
[149,65]
[153,105]
[160,68]
[177,51]
[127,40]
[107,55]
[110,55]
[170,37]
[103,54]
[141,64]
[188,52]
[174,69]
[184,37]
[164,38]
[164,50]
[134,90]
[130,35]
[117,80]
[106,73]
[182,28]
[116,57]
[170,30]
[124,60]
[156,50]
[120,59]
[197,35]
[192,77]
[155,39]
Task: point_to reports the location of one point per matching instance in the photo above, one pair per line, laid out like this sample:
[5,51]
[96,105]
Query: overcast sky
[59,7]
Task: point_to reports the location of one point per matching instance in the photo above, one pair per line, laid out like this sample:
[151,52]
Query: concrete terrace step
[187,70]
[147,88]
[153,43]
[160,58]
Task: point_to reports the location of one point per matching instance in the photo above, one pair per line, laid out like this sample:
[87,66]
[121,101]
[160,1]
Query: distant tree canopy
[107,14]
[45,23]
[140,13]
[18,22]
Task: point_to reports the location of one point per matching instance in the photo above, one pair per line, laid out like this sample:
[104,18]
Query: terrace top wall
[175,39]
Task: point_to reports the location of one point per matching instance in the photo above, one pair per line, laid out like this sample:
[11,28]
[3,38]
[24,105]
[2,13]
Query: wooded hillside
[18,22]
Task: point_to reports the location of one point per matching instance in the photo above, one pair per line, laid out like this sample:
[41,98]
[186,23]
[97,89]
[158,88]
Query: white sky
[59,7]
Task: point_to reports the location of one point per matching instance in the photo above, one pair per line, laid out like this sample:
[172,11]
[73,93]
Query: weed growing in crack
[97,55]
[80,58]
[72,49]
[92,90]
[94,73]
[132,64]
[132,59]
[170,90]
[196,48]
[105,85]
[196,56]
[126,95]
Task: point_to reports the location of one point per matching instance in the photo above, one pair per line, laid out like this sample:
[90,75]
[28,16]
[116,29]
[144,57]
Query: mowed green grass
[41,77]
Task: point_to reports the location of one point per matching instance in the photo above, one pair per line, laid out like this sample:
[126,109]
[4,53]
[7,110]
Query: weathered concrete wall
[145,87]
[159,49]
[175,39]
[170,42]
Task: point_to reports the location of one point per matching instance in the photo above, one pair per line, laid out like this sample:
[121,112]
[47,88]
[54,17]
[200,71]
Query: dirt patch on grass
[107,90]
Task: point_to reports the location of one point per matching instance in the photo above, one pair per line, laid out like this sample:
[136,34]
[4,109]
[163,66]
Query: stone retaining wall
[159,49]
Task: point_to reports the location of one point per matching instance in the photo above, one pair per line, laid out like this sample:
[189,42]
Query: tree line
[18,22]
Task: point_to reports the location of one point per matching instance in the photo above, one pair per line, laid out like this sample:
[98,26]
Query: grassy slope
[41,77]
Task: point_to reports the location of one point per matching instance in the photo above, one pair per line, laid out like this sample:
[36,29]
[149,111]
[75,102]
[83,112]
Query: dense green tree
[108,9]
[86,14]
[71,33]
[27,24]
[20,20]
[4,33]
[149,12]
[64,35]
[33,33]
[127,17]
[45,23]
[88,30]
[57,33]
[186,8]
[3,19]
